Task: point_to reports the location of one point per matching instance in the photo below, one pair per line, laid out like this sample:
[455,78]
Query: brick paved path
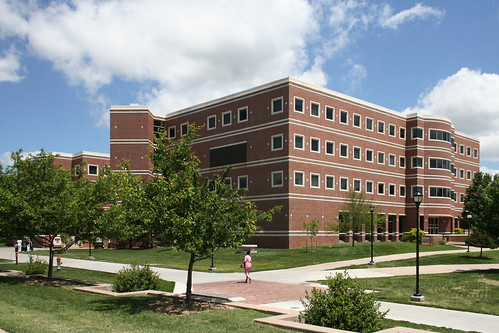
[257,292]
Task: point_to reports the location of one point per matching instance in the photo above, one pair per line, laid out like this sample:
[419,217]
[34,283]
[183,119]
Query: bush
[459,231]
[35,266]
[136,278]
[411,235]
[344,306]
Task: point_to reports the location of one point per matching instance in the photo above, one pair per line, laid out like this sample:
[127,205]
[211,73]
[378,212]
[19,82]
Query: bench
[247,247]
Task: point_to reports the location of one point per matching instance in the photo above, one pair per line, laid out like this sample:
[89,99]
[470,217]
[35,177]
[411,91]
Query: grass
[35,308]
[86,275]
[489,257]
[227,260]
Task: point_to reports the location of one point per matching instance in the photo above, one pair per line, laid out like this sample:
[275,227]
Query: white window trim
[372,123]
[372,155]
[384,157]
[303,141]
[462,173]
[417,167]
[360,153]
[377,188]
[412,133]
[360,184]
[325,112]
[395,130]
[92,174]
[360,120]
[77,170]
[208,122]
[461,151]
[239,114]
[400,191]
[272,178]
[384,127]
[229,179]
[239,181]
[341,112]
[412,190]
[468,175]
[394,192]
[318,145]
[394,160]
[325,148]
[272,148]
[343,145]
[400,133]
[319,109]
[325,180]
[181,126]
[272,105]
[303,104]
[344,190]
[303,177]
[230,118]
[468,151]
[405,162]
[318,180]
[174,132]
[372,186]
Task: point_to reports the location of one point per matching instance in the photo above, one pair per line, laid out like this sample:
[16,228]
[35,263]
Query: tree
[481,239]
[355,214]
[481,201]
[312,228]
[39,199]
[197,215]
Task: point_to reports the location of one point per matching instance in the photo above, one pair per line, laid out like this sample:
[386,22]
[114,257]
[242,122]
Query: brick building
[92,163]
[303,147]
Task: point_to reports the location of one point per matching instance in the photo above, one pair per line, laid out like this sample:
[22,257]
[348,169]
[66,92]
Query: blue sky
[64,63]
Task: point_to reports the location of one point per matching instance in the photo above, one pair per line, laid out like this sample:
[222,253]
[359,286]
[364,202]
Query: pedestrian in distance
[247,266]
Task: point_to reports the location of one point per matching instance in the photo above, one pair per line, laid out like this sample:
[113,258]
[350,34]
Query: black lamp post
[212,267]
[418,198]
[469,216]
[371,209]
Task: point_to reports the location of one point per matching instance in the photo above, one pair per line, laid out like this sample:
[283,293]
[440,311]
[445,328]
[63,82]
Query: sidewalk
[284,288]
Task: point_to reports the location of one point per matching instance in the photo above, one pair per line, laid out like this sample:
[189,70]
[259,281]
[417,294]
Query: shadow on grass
[130,305]
[477,257]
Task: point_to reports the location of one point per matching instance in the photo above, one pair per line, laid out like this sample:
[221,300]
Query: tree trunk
[51,258]
[188,291]
[353,238]
[481,251]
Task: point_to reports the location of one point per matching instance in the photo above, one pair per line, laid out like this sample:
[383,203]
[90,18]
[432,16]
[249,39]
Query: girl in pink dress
[247,266]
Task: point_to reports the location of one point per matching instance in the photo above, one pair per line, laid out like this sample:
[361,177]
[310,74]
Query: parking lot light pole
[371,209]
[418,198]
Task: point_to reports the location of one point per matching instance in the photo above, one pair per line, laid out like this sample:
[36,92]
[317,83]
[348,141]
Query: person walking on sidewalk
[247,266]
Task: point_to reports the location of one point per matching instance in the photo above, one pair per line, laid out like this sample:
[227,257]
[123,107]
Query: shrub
[344,306]
[412,235]
[35,266]
[442,242]
[459,231]
[136,278]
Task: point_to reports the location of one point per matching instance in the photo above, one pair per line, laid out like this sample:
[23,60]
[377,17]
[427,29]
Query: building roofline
[81,154]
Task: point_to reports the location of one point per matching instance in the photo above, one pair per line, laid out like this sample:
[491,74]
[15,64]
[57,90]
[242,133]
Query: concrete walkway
[284,288]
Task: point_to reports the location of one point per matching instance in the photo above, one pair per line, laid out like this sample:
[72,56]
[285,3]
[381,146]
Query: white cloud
[5,159]
[470,99]
[355,75]
[488,170]
[389,20]
[10,68]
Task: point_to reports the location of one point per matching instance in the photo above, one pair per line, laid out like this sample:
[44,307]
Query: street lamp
[372,234]
[469,216]
[418,198]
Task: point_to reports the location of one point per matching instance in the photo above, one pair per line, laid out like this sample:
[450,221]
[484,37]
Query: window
[417,162]
[461,197]
[369,186]
[228,154]
[440,135]
[402,161]
[402,132]
[391,189]
[381,188]
[356,120]
[314,145]
[299,139]
[343,117]
[343,184]
[228,181]
[277,142]
[461,173]
[433,225]
[468,175]
[329,148]
[417,133]
[440,192]
[417,189]
[461,149]
[356,185]
[391,130]
[475,153]
[343,150]
[212,122]
[171,132]
[356,153]
[298,104]
[277,105]
[242,182]
[369,124]
[381,127]
[329,113]
[314,180]
[242,114]
[438,163]
[402,190]
[183,129]
[381,157]
[392,160]
[369,155]
[77,170]
[314,109]
[468,151]
[299,178]
[93,170]
[227,118]
[330,182]
[277,179]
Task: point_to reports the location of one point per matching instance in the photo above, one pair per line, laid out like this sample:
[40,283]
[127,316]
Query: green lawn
[476,291]
[227,260]
[488,257]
